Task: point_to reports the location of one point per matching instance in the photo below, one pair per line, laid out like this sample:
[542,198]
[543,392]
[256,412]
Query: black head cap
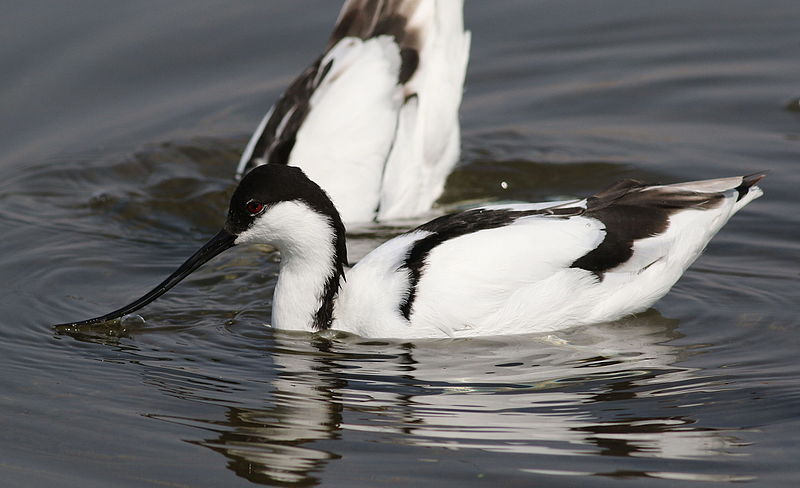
[269,184]
[272,183]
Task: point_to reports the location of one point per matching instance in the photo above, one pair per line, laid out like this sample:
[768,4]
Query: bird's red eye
[254,207]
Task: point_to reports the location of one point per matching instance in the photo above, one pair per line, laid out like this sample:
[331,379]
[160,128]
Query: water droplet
[132,320]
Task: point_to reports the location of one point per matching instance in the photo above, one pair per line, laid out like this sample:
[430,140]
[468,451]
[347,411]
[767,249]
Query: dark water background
[120,127]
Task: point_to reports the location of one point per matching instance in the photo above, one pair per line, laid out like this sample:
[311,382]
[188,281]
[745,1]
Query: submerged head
[274,204]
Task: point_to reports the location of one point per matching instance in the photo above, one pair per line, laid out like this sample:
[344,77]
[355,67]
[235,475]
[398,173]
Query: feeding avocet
[374,120]
[503,269]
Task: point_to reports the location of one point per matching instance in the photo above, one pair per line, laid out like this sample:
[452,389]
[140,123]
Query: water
[120,126]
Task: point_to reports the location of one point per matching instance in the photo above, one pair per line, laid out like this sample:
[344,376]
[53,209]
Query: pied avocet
[494,270]
[374,120]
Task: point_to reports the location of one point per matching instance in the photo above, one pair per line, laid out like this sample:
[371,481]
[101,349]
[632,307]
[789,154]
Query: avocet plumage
[374,120]
[492,270]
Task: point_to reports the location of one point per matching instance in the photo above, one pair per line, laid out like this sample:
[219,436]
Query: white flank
[658,262]
[488,282]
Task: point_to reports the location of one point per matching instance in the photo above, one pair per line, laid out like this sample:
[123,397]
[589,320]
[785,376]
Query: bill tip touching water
[501,269]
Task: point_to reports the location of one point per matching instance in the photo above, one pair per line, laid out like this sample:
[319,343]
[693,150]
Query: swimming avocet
[374,120]
[494,270]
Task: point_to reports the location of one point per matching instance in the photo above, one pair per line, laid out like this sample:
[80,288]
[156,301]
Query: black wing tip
[749,181]
[619,188]
[753,178]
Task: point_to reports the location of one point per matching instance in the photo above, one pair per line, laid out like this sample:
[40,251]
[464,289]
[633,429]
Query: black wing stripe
[273,144]
[631,211]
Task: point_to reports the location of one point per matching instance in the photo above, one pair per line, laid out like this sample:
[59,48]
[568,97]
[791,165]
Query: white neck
[305,240]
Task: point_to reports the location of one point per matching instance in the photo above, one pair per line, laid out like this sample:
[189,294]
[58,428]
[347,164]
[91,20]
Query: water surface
[120,128]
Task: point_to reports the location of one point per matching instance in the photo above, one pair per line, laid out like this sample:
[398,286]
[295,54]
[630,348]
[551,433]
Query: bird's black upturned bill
[217,244]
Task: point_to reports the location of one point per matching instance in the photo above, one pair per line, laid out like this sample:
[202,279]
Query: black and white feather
[538,267]
[374,120]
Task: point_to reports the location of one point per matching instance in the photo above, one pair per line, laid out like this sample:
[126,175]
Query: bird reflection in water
[611,391]
[275,444]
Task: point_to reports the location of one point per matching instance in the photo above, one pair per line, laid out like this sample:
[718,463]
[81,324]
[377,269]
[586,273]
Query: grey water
[120,127]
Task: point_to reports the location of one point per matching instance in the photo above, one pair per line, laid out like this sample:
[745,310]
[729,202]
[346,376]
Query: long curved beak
[217,244]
